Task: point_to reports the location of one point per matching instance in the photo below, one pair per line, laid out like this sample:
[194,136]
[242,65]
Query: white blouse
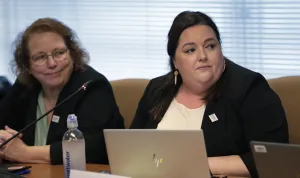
[179,117]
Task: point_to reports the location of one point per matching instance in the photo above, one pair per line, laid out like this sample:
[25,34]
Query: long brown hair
[168,90]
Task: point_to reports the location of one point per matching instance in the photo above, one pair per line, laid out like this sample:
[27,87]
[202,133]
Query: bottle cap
[72,121]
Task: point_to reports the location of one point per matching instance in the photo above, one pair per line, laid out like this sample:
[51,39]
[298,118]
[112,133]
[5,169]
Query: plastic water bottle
[73,146]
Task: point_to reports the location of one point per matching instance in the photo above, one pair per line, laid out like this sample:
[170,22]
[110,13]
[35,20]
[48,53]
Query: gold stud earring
[175,76]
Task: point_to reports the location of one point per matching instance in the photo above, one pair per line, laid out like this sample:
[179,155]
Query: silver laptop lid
[157,153]
[276,160]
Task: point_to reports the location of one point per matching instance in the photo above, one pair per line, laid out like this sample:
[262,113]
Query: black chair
[5,86]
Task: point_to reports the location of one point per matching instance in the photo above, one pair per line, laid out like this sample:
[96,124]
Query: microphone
[84,87]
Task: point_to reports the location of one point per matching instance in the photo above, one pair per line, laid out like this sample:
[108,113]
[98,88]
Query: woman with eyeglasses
[51,65]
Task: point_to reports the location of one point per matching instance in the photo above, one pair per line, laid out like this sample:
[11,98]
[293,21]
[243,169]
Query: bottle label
[68,164]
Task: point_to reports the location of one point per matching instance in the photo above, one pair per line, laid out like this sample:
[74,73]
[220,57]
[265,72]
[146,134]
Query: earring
[175,76]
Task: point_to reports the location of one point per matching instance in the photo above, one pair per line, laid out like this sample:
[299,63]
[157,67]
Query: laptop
[148,153]
[276,160]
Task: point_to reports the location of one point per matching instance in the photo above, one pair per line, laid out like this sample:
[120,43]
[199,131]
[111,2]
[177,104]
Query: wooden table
[57,171]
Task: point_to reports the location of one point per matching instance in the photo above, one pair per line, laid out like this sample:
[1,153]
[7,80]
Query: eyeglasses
[41,58]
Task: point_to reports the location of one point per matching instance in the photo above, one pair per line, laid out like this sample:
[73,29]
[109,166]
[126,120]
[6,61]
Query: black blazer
[247,109]
[95,108]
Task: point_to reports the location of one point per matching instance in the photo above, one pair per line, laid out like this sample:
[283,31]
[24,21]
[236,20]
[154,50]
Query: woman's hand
[16,150]
[11,131]
[228,165]
[7,133]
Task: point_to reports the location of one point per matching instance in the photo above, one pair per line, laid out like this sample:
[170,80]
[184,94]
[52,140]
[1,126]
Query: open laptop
[276,160]
[157,153]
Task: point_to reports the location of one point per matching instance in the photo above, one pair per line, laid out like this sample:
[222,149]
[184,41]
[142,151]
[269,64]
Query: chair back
[288,89]
[128,93]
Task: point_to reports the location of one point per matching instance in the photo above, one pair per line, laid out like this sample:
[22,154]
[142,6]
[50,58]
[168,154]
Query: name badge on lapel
[55,118]
[213,117]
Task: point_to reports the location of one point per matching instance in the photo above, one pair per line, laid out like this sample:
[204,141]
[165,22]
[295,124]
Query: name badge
[55,118]
[213,117]
[87,174]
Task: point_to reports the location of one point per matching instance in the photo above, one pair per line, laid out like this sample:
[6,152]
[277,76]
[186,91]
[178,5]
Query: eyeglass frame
[52,55]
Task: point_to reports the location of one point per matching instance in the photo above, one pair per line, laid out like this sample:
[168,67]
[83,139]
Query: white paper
[86,174]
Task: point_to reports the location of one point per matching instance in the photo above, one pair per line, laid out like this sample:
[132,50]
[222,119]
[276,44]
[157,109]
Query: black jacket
[95,108]
[247,109]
